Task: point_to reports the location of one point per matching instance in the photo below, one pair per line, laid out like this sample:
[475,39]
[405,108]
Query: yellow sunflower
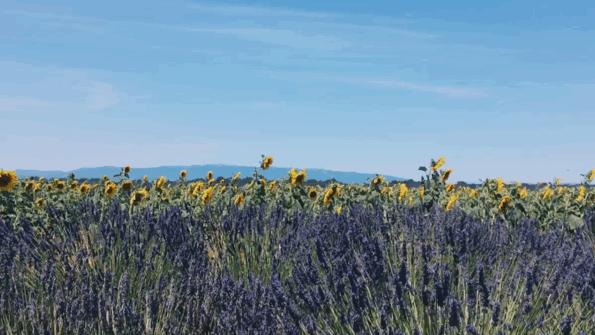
[8,180]
[312,194]
[39,203]
[161,182]
[266,162]
[183,174]
[504,203]
[138,196]
[238,200]
[207,195]
[446,175]
[110,189]
[438,164]
[297,178]
[403,190]
[582,192]
[126,185]
[452,200]
[85,188]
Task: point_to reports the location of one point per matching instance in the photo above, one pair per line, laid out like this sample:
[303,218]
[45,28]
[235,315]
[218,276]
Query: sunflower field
[206,255]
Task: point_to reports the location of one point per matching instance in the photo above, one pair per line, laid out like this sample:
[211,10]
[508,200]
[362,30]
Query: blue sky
[502,89]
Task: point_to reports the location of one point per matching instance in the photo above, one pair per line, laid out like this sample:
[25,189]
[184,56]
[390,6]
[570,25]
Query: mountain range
[200,171]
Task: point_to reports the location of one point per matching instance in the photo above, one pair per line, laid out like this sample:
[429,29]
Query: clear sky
[500,88]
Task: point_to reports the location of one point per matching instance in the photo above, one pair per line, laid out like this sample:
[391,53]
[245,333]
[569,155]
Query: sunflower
[297,178]
[582,192]
[339,210]
[446,175]
[438,164]
[312,194]
[449,188]
[59,184]
[8,180]
[29,185]
[138,196]
[85,188]
[39,203]
[236,177]
[547,193]
[207,195]
[127,169]
[126,185]
[329,194]
[74,185]
[238,200]
[160,183]
[377,180]
[196,188]
[183,174]
[266,162]
[273,186]
[500,185]
[110,188]
[210,176]
[590,175]
[452,200]
[403,190]
[504,203]
[522,191]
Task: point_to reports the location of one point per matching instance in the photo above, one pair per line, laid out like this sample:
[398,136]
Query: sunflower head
[110,189]
[403,190]
[297,178]
[8,180]
[210,175]
[503,205]
[85,188]
[590,175]
[138,196]
[127,169]
[436,165]
[207,195]
[39,203]
[183,174]
[266,162]
[582,192]
[377,181]
[238,200]
[500,185]
[445,175]
[126,185]
[161,182]
[312,194]
[548,193]
[59,184]
[452,201]
[74,185]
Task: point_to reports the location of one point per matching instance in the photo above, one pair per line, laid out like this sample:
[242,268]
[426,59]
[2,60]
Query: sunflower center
[4,180]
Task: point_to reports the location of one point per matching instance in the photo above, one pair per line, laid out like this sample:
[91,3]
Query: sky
[500,88]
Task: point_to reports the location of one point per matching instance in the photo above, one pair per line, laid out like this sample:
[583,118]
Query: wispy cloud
[54,90]
[449,91]
[238,10]
[278,37]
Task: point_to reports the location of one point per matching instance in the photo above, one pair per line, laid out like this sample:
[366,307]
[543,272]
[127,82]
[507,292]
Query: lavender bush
[93,269]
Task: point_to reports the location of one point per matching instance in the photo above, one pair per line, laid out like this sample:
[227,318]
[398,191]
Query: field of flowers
[249,256]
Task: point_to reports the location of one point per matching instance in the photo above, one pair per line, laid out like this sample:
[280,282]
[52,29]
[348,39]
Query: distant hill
[200,171]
